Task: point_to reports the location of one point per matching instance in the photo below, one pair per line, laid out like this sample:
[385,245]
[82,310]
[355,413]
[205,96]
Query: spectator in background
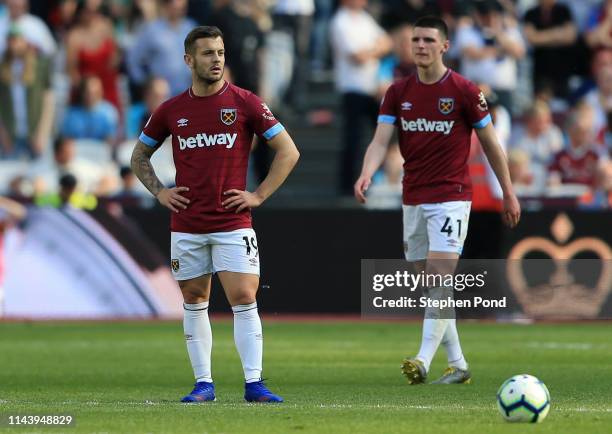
[91,50]
[320,36]
[34,29]
[156,92]
[519,164]
[600,197]
[94,177]
[358,43]
[243,40]
[599,99]
[93,118]
[550,29]
[398,13]
[599,26]
[540,140]
[261,14]
[294,17]
[62,17]
[502,121]
[68,194]
[604,137]
[399,63]
[490,48]
[200,10]
[154,52]
[142,12]
[577,164]
[27,102]
[129,184]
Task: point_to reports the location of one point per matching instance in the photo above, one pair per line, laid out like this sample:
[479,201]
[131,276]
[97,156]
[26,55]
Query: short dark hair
[433,22]
[60,142]
[201,32]
[486,7]
[67,180]
[125,171]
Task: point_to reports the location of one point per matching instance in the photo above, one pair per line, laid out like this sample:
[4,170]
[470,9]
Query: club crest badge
[446,105]
[174,263]
[229,115]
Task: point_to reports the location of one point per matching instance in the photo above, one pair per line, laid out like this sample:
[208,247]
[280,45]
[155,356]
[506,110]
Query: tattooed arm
[143,169]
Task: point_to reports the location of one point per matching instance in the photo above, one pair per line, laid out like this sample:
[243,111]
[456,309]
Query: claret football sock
[450,341]
[248,337]
[198,336]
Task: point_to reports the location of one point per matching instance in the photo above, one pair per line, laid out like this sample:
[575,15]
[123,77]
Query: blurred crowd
[79,78]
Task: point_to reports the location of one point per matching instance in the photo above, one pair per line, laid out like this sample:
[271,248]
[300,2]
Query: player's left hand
[241,200]
[512,210]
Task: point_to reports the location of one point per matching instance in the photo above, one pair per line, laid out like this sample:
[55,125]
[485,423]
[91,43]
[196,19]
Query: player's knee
[194,299]
[243,297]
[193,294]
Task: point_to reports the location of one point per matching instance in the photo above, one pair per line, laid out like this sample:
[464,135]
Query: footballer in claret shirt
[435,111]
[212,125]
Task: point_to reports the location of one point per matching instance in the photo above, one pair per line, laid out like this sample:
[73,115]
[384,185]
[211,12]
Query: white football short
[435,227]
[193,255]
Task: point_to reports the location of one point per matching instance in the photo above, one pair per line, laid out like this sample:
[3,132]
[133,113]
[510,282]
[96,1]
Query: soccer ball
[523,398]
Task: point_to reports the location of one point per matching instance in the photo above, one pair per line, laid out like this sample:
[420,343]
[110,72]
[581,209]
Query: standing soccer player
[435,111]
[212,126]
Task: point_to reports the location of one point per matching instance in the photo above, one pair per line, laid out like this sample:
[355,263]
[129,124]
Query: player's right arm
[143,169]
[374,157]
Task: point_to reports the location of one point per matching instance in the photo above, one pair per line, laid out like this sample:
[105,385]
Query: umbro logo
[406,105]
[182,122]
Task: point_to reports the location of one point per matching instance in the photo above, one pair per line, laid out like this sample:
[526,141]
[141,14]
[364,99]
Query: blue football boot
[258,392]
[202,392]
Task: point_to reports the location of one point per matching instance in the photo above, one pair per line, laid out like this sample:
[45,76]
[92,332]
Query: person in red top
[212,126]
[577,163]
[435,111]
[91,49]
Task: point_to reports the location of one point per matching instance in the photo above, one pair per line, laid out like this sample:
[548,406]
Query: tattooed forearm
[141,165]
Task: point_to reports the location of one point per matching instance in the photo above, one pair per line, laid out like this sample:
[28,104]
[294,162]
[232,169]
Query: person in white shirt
[34,29]
[294,17]
[600,97]
[95,177]
[490,48]
[541,139]
[358,42]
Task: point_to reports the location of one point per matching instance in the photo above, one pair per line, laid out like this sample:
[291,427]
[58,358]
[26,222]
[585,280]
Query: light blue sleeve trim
[273,131]
[147,140]
[386,119]
[483,122]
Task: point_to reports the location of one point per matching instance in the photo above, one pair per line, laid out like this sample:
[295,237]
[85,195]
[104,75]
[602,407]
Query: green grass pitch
[336,377]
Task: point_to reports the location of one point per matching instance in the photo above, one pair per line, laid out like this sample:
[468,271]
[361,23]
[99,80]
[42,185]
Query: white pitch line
[581,346]
[312,406]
